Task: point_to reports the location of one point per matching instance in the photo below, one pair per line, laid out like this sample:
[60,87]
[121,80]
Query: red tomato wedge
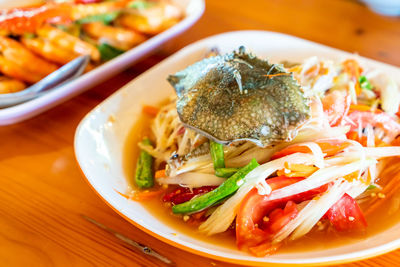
[336,105]
[278,218]
[330,148]
[346,215]
[254,207]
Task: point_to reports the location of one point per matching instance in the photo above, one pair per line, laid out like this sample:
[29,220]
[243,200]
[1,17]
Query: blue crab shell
[237,97]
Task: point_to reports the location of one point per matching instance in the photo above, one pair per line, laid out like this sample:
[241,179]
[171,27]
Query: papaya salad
[273,152]
[37,39]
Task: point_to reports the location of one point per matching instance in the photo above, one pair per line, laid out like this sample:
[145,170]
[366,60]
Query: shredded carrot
[329,148]
[264,249]
[358,107]
[142,195]
[146,194]
[198,215]
[351,176]
[297,170]
[160,174]
[150,110]
[352,135]
[323,71]
[124,195]
[363,139]
[396,142]
[295,68]
[352,67]
[275,75]
[311,70]
[380,143]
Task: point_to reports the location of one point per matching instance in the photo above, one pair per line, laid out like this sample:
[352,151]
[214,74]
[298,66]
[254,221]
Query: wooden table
[43,193]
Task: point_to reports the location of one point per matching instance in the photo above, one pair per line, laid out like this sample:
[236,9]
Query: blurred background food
[37,37]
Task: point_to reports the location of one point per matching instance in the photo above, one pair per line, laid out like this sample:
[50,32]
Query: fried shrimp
[8,85]
[151,20]
[18,62]
[118,37]
[59,46]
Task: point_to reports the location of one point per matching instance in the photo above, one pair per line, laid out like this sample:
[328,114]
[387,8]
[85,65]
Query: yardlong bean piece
[144,168]
[217,154]
[225,172]
[230,186]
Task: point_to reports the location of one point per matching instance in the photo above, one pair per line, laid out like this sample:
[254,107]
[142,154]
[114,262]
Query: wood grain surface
[43,194]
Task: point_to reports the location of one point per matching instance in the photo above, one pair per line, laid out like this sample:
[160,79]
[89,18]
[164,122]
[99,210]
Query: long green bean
[225,172]
[217,154]
[230,186]
[144,168]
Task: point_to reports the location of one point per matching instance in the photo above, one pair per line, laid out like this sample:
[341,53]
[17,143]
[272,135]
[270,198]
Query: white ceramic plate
[99,144]
[193,11]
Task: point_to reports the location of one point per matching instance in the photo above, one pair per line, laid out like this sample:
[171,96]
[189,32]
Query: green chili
[227,188]
[144,168]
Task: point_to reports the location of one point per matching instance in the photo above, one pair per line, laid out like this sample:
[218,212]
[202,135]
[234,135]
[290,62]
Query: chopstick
[143,248]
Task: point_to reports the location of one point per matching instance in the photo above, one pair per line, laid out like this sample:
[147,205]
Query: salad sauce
[378,220]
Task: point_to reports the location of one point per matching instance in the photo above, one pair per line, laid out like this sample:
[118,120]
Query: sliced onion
[390,96]
[321,177]
[317,152]
[193,180]
[382,152]
[370,136]
[224,215]
[263,188]
[320,207]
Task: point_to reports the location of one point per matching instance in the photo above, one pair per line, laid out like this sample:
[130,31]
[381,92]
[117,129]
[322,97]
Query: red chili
[183,194]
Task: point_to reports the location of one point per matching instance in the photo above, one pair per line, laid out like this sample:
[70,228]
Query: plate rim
[338,259]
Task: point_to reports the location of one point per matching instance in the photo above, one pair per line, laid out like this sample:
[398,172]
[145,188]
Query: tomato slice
[330,148]
[336,105]
[278,218]
[346,215]
[254,207]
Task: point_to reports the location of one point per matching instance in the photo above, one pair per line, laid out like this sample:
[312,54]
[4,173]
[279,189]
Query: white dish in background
[99,144]
[384,7]
[193,11]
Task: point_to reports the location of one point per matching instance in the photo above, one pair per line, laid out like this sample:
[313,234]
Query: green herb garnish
[141,4]
[29,35]
[108,52]
[364,83]
[144,168]
[105,18]
[371,186]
